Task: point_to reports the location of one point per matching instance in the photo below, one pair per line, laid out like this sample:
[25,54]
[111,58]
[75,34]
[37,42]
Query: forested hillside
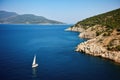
[110,19]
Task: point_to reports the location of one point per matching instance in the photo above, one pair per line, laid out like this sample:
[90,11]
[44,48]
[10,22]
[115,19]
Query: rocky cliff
[96,48]
[76,29]
[103,40]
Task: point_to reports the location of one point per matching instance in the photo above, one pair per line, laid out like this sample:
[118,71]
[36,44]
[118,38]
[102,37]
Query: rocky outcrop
[90,32]
[98,42]
[76,29]
[93,48]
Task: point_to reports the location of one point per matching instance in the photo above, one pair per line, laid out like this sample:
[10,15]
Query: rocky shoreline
[93,46]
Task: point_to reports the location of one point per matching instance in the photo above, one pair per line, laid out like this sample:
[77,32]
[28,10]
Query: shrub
[118,47]
[98,33]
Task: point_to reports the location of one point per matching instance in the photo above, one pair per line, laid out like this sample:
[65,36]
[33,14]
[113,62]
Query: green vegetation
[106,34]
[114,45]
[118,47]
[118,29]
[98,33]
[110,19]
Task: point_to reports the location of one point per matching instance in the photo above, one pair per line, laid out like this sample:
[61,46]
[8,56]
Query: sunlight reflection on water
[34,72]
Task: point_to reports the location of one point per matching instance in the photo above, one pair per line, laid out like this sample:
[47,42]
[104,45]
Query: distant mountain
[5,15]
[14,18]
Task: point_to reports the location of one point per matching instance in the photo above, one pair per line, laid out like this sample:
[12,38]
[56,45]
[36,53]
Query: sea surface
[55,53]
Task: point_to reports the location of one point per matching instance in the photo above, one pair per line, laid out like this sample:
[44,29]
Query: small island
[103,34]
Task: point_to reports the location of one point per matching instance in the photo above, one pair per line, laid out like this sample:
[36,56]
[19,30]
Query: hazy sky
[68,11]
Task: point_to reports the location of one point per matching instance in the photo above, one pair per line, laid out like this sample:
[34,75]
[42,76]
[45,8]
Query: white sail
[34,62]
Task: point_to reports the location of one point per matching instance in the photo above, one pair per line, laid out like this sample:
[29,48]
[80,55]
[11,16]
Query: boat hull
[35,65]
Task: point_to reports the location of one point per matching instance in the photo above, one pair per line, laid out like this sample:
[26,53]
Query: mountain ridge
[14,18]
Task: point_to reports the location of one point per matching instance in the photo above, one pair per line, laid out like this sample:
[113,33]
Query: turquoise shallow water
[55,55]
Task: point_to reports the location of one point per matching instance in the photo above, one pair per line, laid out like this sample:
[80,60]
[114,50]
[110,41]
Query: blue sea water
[55,53]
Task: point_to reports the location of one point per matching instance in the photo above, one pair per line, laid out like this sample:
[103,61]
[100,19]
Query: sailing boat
[34,64]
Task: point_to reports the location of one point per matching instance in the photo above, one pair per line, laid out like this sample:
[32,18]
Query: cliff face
[103,40]
[98,45]
[76,29]
[96,48]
